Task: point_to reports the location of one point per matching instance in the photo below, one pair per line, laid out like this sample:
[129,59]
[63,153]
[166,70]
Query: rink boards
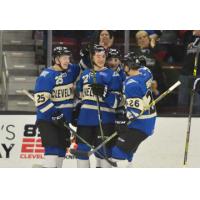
[20,144]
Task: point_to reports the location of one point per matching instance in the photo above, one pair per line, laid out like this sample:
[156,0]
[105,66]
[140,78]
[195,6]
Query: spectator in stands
[153,36]
[147,47]
[186,76]
[106,38]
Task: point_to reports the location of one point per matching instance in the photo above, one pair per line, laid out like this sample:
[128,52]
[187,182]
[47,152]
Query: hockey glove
[84,52]
[58,119]
[99,89]
[85,58]
[120,116]
[75,114]
[120,120]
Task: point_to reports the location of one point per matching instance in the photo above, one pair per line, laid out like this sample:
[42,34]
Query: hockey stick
[114,164]
[100,119]
[95,150]
[188,127]
[191,107]
[152,104]
[28,94]
[164,94]
[98,104]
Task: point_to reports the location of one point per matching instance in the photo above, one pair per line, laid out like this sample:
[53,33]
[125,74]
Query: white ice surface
[164,149]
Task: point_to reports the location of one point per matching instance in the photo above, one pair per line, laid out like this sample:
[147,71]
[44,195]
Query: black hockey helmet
[132,61]
[113,53]
[60,50]
[96,48]
[142,60]
[130,55]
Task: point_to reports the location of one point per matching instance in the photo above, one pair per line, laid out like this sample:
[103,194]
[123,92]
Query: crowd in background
[167,55]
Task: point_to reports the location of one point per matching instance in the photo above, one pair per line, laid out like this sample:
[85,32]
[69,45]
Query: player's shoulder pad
[44,79]
[145,70]
[130,81]
[107,74]
[46,73]
[132,86]
[110,72]
[85,71]
[74,66]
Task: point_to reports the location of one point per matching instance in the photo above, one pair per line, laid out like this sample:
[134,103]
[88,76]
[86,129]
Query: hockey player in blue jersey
[113,61]
[134,129]
[54,97]
[145,71]
[104,83]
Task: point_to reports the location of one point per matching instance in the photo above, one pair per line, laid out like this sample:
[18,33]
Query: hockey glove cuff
[58,119]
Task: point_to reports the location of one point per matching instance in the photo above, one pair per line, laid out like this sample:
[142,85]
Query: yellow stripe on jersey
[65,106]
[46,108]
[93,107]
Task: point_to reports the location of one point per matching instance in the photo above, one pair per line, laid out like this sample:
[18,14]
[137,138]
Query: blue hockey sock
[51,151]
[119,154]
[130,157]
[83,147]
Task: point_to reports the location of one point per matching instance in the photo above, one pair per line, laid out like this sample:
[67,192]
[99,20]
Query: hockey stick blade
[85,154]
[102,144]
[89,153]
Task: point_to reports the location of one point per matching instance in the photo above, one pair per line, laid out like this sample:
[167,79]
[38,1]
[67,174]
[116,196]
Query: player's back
[138,97]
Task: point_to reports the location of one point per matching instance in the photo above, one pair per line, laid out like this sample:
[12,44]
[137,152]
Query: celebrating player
[54,97]
[137,124]
[113,61]
[98,85]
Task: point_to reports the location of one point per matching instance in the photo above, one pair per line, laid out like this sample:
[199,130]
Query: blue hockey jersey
[89,111]
[121,73]
[137,90]
[147,73]
[54,90]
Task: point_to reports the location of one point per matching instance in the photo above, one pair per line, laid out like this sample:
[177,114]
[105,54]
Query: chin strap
[59,65]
